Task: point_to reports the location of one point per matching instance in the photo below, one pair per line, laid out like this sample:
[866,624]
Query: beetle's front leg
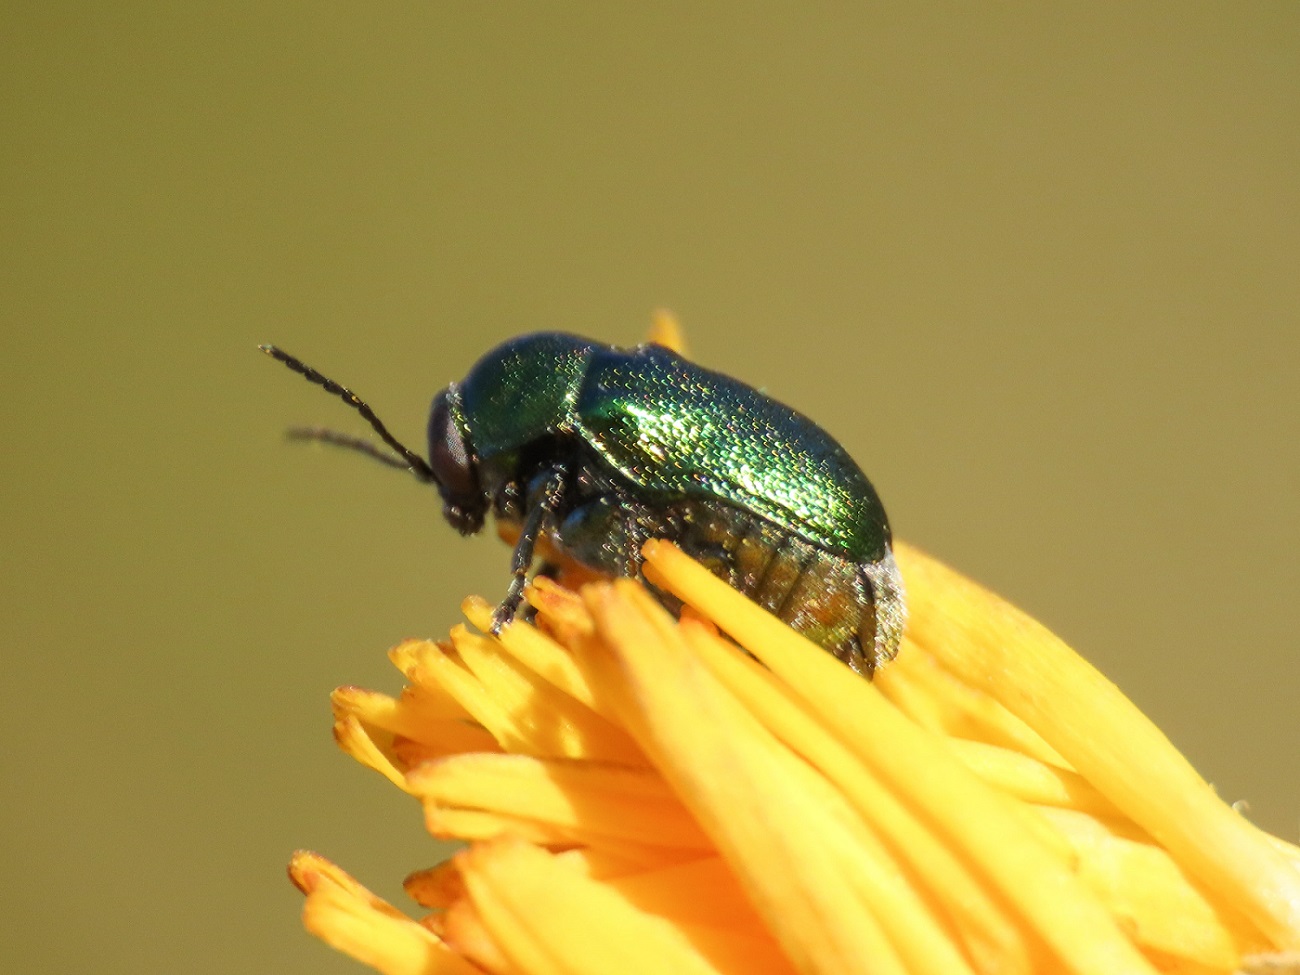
[545,493]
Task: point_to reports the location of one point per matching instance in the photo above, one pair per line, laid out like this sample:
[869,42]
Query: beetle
[599,448]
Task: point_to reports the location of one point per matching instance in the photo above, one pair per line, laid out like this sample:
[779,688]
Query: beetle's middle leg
[545,494]
[605,533]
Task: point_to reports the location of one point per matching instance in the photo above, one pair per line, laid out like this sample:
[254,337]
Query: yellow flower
[639,795]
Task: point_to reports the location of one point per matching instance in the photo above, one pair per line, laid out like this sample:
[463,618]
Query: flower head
[641,794]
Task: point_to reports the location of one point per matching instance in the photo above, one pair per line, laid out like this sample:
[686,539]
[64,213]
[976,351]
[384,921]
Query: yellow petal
[934,698]
[1152,897]
[1029,779]
[1104,737]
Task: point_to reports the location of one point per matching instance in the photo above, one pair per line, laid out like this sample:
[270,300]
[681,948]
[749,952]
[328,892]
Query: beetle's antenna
[416,464]
[337,439]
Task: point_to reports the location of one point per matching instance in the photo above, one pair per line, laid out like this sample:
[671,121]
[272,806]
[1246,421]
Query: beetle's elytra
[600,448]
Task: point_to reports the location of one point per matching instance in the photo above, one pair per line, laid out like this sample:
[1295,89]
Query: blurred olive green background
[1036,265]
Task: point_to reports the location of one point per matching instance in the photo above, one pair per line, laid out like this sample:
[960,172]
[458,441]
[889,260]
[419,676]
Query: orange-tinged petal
[432,666]
[547,919]
[994,833]
[348,917]
[430,697]
[447,823]
[797,859]
[665,330]
[530,714]
[629,805]
[438,886]
[615,867]
[473,824]
[981,923]
[666,802]
[539,653]
[361,745]
[702,892]
[406,717]
[466,933]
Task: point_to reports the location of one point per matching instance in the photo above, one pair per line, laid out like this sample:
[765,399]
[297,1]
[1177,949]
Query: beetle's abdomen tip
[889,601]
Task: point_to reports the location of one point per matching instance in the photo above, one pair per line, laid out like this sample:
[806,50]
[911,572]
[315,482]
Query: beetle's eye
[451,456]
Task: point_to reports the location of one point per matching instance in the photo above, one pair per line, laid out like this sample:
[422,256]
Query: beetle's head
[454,465]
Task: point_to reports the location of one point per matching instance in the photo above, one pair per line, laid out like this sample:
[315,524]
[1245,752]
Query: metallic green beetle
[601,448]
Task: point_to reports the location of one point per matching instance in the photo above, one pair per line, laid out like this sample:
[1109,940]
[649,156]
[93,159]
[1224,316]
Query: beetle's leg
[605,533]
[708,536]
[635,535]
[542,511]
